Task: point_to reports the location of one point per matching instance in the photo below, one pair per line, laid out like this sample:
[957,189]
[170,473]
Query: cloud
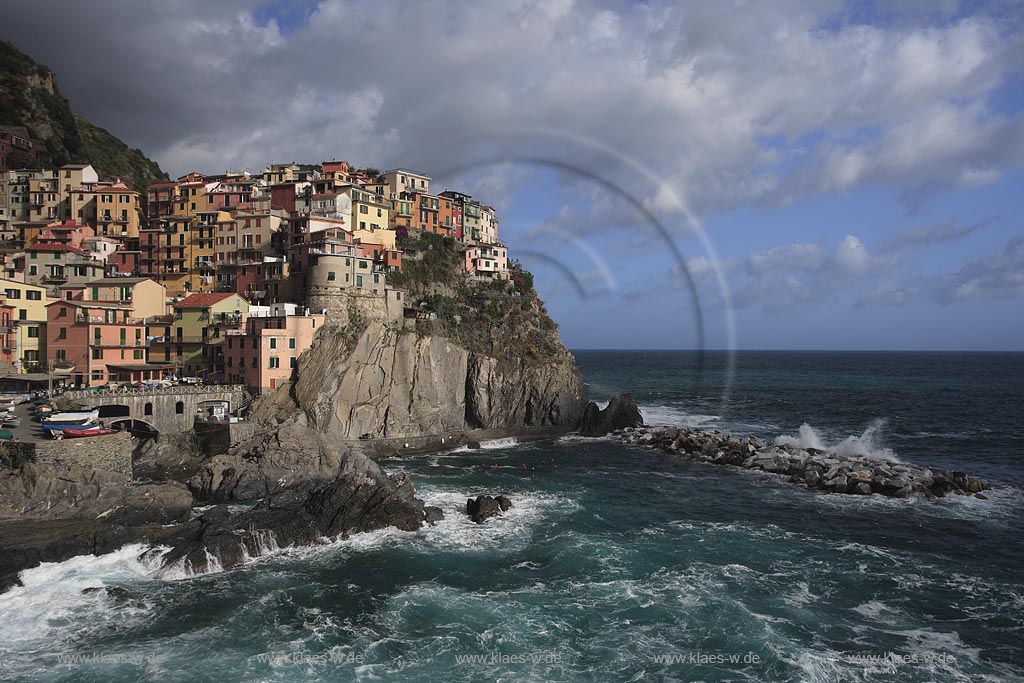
[785,278]
[945,231]
[998,277]
[717,107]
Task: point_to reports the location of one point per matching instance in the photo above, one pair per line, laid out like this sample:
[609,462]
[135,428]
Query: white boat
[79,418]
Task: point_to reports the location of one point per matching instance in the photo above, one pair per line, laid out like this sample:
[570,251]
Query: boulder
[620,412]
[432,514]
[483,508]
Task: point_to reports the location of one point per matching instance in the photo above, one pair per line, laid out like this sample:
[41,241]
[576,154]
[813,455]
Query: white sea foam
[488,445]
[867,444]
[52,593]
[674,416]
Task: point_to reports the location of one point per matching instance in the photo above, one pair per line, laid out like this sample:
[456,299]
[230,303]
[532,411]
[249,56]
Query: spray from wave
[867,444]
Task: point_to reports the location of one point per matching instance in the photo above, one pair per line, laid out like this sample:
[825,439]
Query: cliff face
[30,98]
[489,357]
[398,383]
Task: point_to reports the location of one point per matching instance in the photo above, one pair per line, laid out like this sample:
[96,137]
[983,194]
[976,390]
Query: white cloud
[986,279]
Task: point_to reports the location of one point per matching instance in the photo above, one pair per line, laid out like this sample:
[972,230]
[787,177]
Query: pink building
[265,355]
[89,335]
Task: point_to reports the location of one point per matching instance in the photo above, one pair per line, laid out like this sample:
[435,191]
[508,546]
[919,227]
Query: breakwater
[816,469]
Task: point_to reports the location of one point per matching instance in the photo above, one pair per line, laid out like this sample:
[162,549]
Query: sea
[617,562]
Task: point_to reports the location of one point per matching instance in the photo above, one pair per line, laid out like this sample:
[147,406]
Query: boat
[78,433]
[61,426]
[11,421]
[79,418]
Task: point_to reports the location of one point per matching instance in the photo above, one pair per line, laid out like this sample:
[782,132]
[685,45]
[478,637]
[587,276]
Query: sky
[750,175]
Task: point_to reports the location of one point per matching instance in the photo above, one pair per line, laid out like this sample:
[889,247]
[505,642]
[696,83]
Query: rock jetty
[816,469]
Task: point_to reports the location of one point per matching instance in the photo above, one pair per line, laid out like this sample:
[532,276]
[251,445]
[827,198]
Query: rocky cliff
[489,358]
[30,99]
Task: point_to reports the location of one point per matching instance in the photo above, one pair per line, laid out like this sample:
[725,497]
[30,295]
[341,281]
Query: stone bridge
[168,410]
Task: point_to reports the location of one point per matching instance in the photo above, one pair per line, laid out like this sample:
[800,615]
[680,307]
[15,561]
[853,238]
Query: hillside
[30,98]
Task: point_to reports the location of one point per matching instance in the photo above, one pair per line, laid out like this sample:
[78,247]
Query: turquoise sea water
[616,563]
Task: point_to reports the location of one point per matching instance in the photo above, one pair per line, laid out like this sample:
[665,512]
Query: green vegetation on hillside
[502,319]
[29,98]
[114,159]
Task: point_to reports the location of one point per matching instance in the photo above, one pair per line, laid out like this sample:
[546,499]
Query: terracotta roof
[55,247]
[203,300]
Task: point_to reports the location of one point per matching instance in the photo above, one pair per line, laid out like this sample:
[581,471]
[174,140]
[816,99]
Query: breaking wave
[867,444]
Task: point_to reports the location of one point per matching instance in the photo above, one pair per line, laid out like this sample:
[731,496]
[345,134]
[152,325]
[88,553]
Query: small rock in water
[484,507]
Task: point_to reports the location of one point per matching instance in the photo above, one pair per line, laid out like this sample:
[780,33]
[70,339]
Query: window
[147,409]
[179,408]
[33,332]
[291,342]
[97,375]
[33,295]
[22,314]
[97,354]
[274,363]
[359,280]
[273,342]
[62,333]
[363,208]
[292,362]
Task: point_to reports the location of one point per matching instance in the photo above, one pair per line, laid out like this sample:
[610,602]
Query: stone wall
[111,453]
[213,438]
[341,304]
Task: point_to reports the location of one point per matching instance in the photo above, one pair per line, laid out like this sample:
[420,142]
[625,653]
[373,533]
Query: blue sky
[832,175]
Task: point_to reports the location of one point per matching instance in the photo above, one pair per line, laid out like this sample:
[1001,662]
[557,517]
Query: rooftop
[204,300]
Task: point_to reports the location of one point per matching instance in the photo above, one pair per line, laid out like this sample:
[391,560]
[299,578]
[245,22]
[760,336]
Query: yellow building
[385,237]
[202,254]
[147,297]
[112,209]
[192,339]
[29,318]
[280,173]
[369,211]
[44,198]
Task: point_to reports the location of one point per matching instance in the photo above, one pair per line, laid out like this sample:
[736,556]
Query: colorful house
[87,335]
[192,339]
[265,355]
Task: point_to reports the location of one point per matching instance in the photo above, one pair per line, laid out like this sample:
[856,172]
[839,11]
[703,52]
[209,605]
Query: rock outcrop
[620,412]
[482,508]
[361,497]
[305,486]
[832,473]
[397,383]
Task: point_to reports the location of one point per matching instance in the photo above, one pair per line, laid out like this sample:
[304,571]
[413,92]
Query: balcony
[226,320]
[55,277]
[102,320]
[157,341]
[121,344]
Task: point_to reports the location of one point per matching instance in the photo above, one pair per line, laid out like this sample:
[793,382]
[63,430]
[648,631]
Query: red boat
[77,433]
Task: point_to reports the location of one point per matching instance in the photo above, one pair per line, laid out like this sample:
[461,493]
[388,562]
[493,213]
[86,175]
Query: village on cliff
[221,278]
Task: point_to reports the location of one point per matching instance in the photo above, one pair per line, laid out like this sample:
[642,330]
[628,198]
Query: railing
[177,340]
[103,321]
[181,389]
[124,344]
